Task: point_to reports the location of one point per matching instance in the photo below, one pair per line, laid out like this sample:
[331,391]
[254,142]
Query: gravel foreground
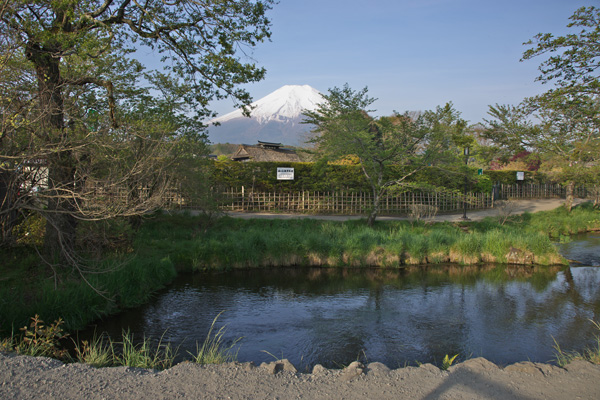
[23,377]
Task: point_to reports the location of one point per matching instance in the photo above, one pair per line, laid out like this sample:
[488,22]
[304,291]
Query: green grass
[168,244]
[143,354]
[40,339]
[237,243]
[591,354]
[213,350]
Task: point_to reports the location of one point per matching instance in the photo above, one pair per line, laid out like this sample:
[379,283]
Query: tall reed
[213,349]
[591,354]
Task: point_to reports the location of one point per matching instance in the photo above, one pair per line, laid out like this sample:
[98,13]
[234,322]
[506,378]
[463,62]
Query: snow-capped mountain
[274,118]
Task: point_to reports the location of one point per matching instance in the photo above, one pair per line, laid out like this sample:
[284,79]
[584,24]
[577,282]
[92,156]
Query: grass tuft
[591,354]
[213,350]
[143,354]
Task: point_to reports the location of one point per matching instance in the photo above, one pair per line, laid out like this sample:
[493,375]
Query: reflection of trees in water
[335,280]
[393,315]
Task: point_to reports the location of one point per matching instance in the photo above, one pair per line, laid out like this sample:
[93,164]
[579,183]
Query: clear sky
[411,54]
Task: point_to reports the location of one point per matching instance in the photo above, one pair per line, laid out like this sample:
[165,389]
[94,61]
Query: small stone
[581,366]
[377,368]
[249,366]
[352,371]
[270,368]
[524,367]
[319,370]
[430,368]
[288,366]
[278,366]
[478,364]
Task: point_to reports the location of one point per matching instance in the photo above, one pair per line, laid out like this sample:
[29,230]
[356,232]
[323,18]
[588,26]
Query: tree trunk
[8,216]
[59,239]
[569,195]
[375,209]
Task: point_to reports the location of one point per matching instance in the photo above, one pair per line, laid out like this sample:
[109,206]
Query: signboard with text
[285,174]
[520,176]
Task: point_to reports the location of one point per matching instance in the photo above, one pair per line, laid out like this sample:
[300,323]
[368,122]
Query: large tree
[562,131]
[574,59]
[344,127]
[72,106]
[562,125]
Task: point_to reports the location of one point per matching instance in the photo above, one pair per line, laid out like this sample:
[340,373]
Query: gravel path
[43,378]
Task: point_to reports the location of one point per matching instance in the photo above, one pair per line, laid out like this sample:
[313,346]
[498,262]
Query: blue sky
[411,54]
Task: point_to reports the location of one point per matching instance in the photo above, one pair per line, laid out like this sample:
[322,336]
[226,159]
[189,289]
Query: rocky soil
[24,377]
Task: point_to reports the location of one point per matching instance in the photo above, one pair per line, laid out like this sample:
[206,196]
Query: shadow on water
[399,317]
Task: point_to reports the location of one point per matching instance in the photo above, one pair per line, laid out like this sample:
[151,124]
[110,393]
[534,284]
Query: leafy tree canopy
[574,59]
[343,127]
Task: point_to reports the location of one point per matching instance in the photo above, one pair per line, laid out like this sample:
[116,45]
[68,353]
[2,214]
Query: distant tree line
[324,176]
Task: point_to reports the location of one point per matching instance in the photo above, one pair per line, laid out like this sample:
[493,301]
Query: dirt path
[517,207]
[42,378]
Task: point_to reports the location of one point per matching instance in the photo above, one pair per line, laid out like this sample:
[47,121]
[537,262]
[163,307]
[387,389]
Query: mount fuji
[274,118]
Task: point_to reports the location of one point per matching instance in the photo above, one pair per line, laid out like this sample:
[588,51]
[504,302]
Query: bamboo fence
[348,202]
[344,202]
[542,191]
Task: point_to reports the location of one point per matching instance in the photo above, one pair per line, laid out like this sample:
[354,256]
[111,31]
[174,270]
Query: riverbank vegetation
[71,252]
[167,244]
[237,243]
[42,340]
[591,354]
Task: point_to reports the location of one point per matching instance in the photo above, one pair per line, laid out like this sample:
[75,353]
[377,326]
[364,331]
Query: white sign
[285,174]
[520,175]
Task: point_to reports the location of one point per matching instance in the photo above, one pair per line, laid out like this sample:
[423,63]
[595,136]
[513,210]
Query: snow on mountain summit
[274,118]
[283,104]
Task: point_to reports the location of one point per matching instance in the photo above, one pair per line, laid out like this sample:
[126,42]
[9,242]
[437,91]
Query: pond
[398,317]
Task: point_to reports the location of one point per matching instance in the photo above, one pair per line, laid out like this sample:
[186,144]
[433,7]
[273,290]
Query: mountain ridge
[276,117]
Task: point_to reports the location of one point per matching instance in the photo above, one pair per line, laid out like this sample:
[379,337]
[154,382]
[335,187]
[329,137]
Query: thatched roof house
[265,151]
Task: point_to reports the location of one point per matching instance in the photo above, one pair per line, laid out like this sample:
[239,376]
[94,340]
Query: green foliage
[510,177]
[144,354]
[102,351]
[93,122]
[325,176]
[236,243]
[344,129]
[559,126]
[213,350]
[591,354]
[118,283]
[96,352]
[42,340]
[574,57]
[447,362]
[30,230]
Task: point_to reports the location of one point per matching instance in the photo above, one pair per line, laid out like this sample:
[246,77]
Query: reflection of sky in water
[395,318]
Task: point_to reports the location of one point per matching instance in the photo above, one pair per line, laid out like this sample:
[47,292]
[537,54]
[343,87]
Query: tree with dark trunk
[74,51]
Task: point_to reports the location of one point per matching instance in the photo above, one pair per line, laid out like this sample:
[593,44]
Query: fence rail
[342,202]
[544,191]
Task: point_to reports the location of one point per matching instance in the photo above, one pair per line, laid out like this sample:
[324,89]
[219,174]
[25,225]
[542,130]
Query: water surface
[398,317]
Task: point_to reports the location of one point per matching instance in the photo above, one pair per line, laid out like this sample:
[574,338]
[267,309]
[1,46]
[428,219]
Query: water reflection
[398,317]
[583,249]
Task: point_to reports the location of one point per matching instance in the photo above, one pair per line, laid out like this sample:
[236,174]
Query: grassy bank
[166,244]
[236,243]
[119,282]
